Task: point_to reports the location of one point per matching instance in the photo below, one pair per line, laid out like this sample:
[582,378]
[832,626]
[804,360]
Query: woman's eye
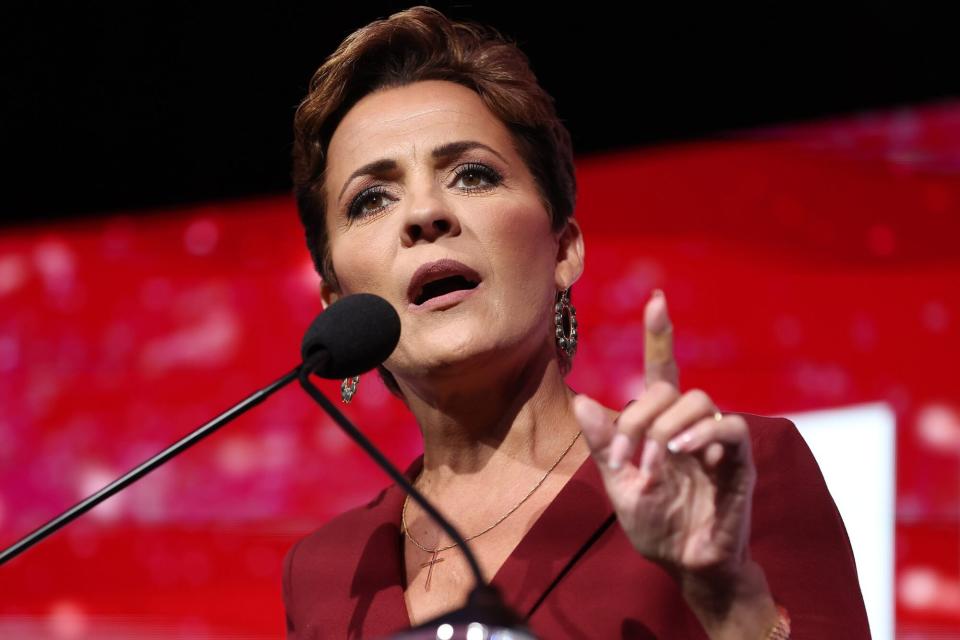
[473,175]
[359,206]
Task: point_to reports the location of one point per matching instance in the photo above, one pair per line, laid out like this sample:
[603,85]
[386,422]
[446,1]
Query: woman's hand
[685,504]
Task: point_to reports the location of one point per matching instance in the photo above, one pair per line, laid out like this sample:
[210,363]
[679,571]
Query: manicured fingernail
[679,442]
[618,451]
[649,453]
[657,317]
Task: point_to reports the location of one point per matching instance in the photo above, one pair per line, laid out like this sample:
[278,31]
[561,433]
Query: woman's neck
[487,423]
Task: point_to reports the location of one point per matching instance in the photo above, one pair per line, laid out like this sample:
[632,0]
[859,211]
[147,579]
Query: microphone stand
[484,604]
[146,467]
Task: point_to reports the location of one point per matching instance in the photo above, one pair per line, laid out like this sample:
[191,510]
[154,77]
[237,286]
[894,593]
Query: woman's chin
[456,356]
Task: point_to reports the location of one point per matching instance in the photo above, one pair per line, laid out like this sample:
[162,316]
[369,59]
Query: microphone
[352,336]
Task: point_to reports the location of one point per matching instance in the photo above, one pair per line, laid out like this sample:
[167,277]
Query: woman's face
[424,173]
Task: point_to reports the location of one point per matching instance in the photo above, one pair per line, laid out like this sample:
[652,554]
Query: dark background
[110,106]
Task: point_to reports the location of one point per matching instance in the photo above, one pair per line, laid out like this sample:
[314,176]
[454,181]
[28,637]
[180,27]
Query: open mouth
[443,286]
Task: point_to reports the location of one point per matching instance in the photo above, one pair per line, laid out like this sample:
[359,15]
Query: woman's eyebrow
[371,168]
[453,149]
[443,152]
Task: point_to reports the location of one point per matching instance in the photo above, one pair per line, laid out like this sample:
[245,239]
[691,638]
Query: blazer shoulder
[323,556]
[334,532]
[343,579]
[770,433]
[798,535]
[785,463]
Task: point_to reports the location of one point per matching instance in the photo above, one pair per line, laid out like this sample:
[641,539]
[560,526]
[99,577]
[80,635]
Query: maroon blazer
[575,574]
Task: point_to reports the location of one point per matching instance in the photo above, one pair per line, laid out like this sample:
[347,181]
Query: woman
[431,169]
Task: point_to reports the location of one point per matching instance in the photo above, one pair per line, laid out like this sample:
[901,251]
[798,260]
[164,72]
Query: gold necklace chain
[435,551]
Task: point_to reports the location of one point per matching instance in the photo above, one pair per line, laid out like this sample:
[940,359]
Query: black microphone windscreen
[358,332]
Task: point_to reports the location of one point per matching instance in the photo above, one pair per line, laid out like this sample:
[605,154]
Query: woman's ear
[570,253]
[328,295]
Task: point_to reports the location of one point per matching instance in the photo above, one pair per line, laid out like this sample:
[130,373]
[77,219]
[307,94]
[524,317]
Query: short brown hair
[420,43]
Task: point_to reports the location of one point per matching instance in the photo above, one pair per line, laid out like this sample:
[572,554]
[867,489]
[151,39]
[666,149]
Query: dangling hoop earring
[348,387]
[566,330]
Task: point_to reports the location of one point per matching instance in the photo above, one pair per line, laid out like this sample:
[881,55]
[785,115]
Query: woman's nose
[429,217]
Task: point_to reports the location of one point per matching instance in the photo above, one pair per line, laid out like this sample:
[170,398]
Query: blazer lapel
[569,526]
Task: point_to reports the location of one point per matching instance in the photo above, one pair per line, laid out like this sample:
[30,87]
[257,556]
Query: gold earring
[348,387]
[566,330]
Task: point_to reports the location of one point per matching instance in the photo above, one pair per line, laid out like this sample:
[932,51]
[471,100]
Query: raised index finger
[659,363]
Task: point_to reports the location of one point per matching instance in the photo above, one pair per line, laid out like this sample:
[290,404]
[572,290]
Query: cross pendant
[429,563]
